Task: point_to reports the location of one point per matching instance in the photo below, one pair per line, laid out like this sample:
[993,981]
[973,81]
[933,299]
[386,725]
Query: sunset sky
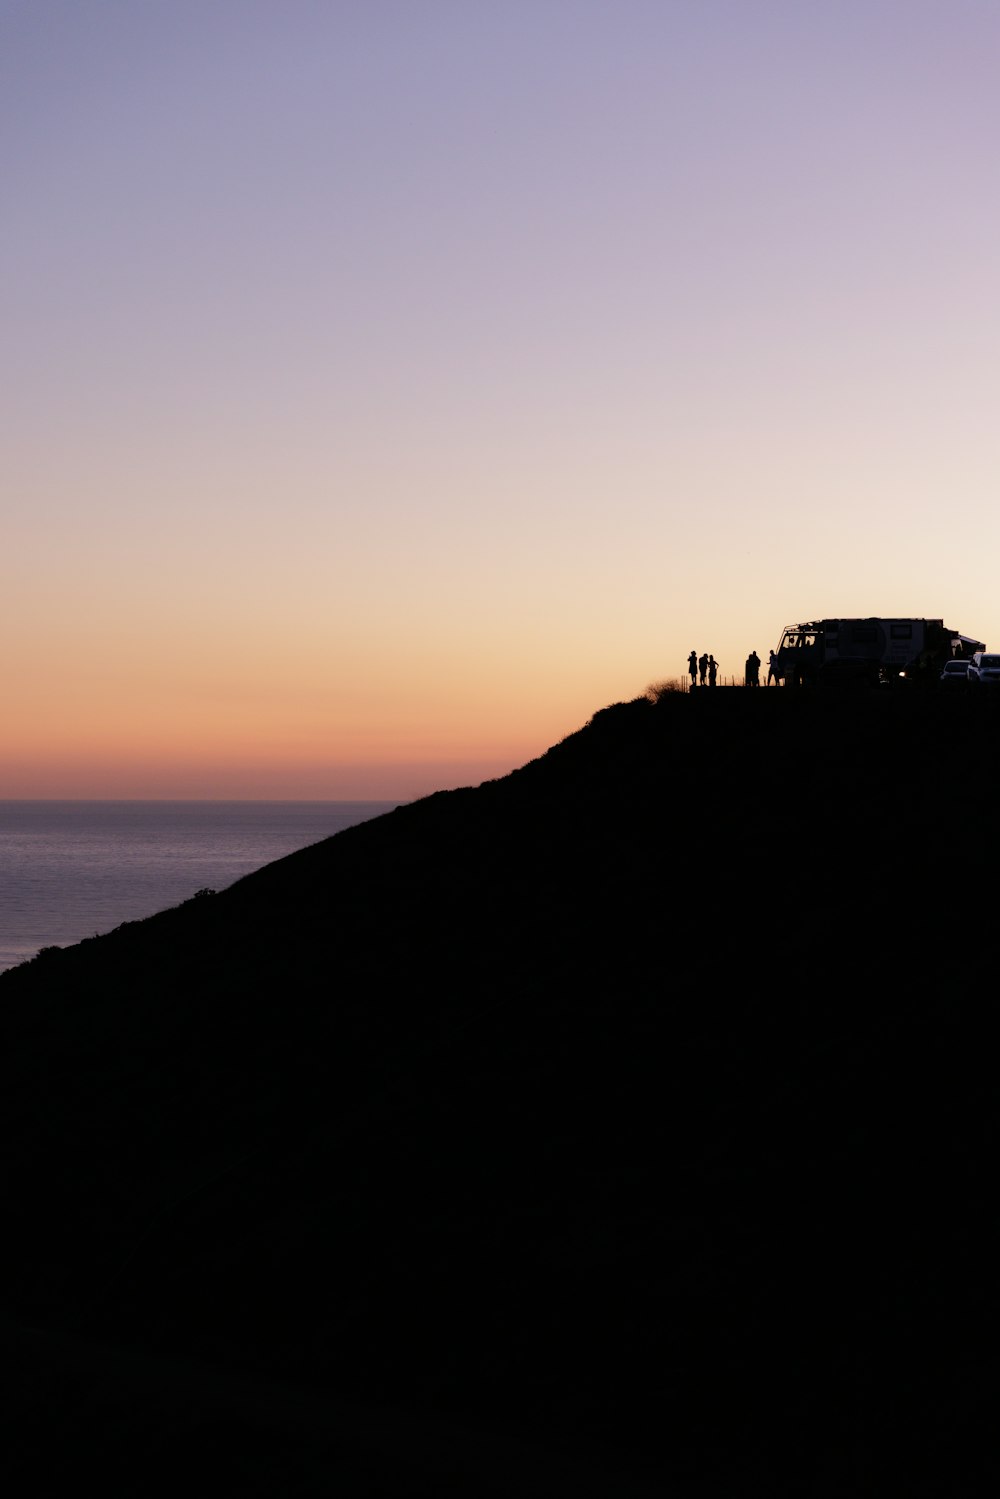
[389,384]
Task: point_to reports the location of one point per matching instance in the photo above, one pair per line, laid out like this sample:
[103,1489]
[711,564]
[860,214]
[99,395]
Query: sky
[388,385]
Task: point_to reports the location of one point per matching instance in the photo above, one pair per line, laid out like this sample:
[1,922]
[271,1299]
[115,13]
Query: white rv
[867,651]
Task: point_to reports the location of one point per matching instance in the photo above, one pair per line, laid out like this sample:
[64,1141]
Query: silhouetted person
[753,669]
[772,670]
[713,667]
[703,667]
[693,668]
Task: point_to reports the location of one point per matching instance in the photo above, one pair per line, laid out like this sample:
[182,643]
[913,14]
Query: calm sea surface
[70,869]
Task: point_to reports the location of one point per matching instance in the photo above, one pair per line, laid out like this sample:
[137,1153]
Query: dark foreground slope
[630,1121]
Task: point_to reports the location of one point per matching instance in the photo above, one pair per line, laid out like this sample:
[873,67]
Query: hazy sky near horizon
[389,384]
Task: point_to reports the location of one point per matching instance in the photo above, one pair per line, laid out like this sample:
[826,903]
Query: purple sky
[387,386]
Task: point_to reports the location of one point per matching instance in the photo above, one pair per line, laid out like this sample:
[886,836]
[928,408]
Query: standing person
[748,672]
[772,670]
[693,668]
[703,667]
[713,667]
[754,664]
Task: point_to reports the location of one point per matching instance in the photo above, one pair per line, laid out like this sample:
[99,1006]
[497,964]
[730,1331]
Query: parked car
[984,667]
[955,674]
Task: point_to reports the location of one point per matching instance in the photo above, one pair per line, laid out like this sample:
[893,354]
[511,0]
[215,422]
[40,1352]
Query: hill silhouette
[629,1121]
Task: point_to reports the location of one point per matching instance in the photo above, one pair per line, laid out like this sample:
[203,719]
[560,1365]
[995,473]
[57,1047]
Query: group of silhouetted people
[704,669]
[752,678]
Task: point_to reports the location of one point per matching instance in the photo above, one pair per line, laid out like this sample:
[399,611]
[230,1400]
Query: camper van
[868,652]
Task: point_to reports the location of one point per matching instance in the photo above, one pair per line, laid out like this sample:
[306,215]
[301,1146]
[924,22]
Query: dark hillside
[640,1103]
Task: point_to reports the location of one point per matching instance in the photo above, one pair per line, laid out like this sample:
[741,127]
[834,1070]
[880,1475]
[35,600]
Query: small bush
[656,691]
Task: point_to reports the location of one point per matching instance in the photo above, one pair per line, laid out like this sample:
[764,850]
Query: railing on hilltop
[683,684]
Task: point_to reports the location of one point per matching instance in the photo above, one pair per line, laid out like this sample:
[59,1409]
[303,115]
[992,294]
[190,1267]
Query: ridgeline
[625,1125]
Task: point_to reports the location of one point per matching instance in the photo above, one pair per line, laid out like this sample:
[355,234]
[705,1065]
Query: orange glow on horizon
[488,388]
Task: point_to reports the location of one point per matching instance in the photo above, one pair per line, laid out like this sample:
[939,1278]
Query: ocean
[72,869]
